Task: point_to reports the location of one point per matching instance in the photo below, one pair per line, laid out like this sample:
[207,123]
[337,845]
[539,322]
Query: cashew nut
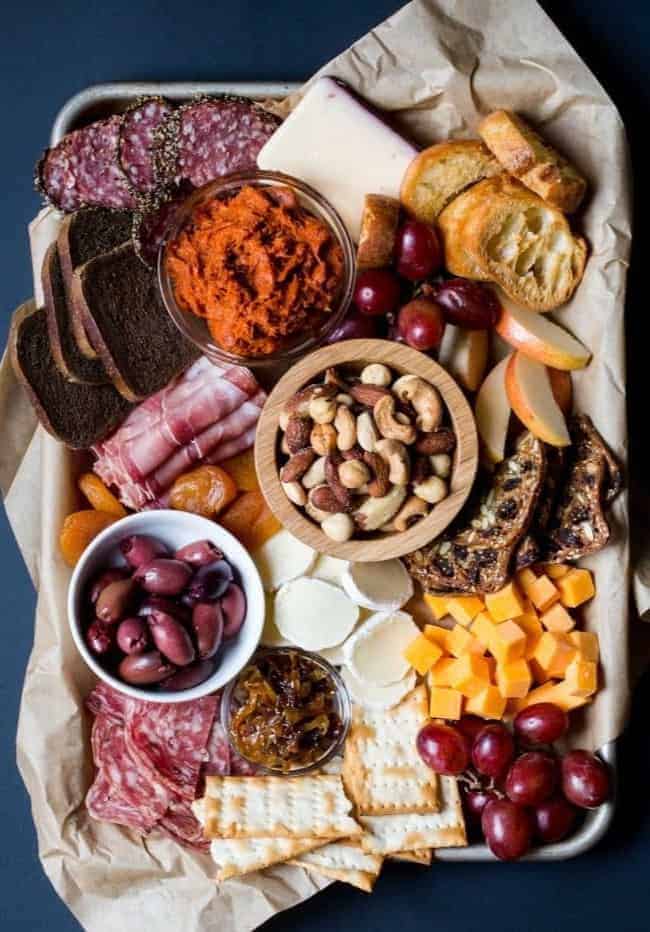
[376,374]
[338,527]
[388,425]
[441,464]
[432,490]
[397,457]
[411,511]
[375,512]
[295,492]
[425,399]
[367,432]
[322,410]
[323,439]
[315,475]
[346,428]
[353,474]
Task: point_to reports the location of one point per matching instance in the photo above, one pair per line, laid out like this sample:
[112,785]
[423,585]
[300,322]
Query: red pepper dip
[258,267]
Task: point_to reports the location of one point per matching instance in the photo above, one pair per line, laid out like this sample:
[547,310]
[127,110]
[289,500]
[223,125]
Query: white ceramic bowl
[175,529]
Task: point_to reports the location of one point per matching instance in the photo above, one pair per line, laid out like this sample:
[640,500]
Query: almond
[297,466]
[297,433]
[442,440]
[368,395]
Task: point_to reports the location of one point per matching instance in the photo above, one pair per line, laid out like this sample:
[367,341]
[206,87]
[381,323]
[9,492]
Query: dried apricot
[206,491]
[99,496]
[250,520]
[79,529]
[242,470]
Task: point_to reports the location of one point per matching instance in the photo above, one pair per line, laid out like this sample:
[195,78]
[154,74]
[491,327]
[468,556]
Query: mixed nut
[366,452]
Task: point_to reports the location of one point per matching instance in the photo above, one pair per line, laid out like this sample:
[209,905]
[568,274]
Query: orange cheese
[437,634]
[469,674]
[543,593]
[557,693]
[532,628]
[586,644]
[556,570]
[514,679]
[459,641]
[581,677]
[576,587]
[488,704]
[492,669]
[552,655]
[483,629]
[464,608]
[504,604]
[437,604]
[508,642]
[556,618]
[526,578]
[445,703]
[440,674]
[422,654]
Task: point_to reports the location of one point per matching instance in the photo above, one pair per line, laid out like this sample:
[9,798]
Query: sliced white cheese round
[329,569]
[282,558]
[313,614]
[375,653]
[382,587]
[333,655]
[377,697]
[271,637]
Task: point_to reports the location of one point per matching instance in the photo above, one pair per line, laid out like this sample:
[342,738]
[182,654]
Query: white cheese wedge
[271,637]
[382,587]
[338,146]
[313,614]
[282,558]
[329,569]
[377,697]
[375,654]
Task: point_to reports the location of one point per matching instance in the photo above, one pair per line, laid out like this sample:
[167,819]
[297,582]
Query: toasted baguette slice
[451,222]
[525,246]
[439,174]
[526,156]
[378,232]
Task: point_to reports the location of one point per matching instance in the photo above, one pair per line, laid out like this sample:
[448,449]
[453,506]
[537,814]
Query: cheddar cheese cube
[492,669]
[586,644]
[552,655]
[532,628]
[459,641]
[488,704]
[437,604]
[445,703]
[526,578]
[422,654]
[469,674]
[440,674]
[576,587]
[514,679]
[556,618]
[437,634]
[556,570]
[508,642]
[483,629]
[543,593]
[581,677]
[464,608]
[506,603]
[557,693]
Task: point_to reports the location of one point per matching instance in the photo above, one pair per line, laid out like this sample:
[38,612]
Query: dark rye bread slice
[118,300]
[78,415]
[85,234]
[71,362]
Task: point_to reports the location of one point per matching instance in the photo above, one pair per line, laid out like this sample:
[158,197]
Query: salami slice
[84,169]
[137,143]
[212,137]
[217,763]
[169,741]
[180,824]
[240,767]
[106,701]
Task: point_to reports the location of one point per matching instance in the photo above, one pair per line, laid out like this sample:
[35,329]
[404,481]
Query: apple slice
[562,388]
[529,390]
[492,412]
[541,339]
[464,354]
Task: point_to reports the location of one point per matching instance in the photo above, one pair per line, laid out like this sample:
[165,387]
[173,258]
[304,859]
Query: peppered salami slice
[169,741]
[150,225]
[180,824]
[212,137]
[104,700]
[217,761]
[137,142]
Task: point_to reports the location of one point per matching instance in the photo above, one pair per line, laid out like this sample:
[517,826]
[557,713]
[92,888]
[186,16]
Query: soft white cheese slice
[282,558]
[313,614]
[329,569]
[382,587]
[375,653]
[338,146]
[271,637]
[377,697]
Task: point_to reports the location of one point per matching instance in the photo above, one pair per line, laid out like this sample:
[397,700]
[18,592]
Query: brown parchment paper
[438,67]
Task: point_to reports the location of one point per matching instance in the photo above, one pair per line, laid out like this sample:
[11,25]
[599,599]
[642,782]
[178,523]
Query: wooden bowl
[403,360]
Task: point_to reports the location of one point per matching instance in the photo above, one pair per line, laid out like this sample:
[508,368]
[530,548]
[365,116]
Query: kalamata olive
[199,553]
[233,606]
[100,637]
[190,676]
[116,600]
[171,638]
[105,579]
[140,548]
[143,669]
[210,581]
[207,622]
[163,576]
[133,636]
[158,603]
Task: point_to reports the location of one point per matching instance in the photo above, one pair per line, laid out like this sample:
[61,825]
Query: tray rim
[597,822]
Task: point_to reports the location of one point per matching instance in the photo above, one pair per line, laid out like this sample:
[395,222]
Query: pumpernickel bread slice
[85,234]
[118,301]
[79,415]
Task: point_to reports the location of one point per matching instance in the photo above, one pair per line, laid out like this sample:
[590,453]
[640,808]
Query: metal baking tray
[101,100]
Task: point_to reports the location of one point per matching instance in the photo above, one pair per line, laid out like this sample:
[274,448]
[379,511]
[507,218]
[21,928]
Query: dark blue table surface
[47,53]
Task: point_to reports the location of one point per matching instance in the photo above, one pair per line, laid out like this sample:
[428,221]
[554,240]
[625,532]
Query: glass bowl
[342,707]
[195,328]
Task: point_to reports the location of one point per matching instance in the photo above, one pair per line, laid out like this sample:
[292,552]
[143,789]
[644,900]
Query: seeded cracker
[235,857]
[424,856]
[344,861]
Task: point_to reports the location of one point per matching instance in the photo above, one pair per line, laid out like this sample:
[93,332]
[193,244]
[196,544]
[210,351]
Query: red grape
[508,829]
[476,800]
[470,725]
[376,292]
[417,250]
[541,723]
[354,326]
[467,304]
[554,819]
[585,779]
[420,323]
[532,778]
[493,750]
[443,748]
